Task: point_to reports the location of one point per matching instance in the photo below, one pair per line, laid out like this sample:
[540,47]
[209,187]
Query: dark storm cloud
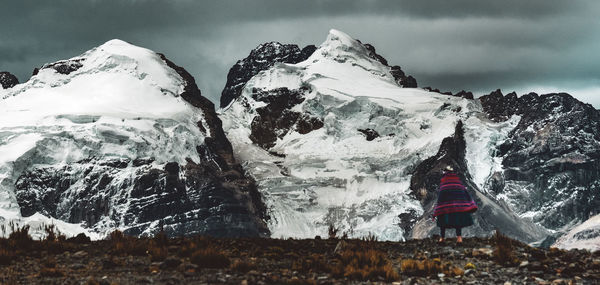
[462,44]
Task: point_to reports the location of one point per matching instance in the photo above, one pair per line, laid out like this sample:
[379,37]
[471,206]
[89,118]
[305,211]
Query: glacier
[333,175]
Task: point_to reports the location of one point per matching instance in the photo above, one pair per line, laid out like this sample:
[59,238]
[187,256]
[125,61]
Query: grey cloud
[451,45]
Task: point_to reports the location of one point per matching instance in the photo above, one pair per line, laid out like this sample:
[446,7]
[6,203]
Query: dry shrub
[6,256]
[504,253]
[54,243]
[313,263]
[187,248]
[20,238]
[126,245]
[369,238]
[190,246]
[429,267]
[333,231]
[51,272]
[49,268]
[209,258]
[367,264]
[301,282]
[161,238]
[242,266]
[156,251]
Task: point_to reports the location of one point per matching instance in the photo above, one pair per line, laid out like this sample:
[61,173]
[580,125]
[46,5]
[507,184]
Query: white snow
[584,236]
[334,175]
[122,103]
[483,137]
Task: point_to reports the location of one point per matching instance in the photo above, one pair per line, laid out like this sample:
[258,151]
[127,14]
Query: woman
[454,205]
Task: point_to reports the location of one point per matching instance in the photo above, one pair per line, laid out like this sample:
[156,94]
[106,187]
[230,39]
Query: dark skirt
[455,220]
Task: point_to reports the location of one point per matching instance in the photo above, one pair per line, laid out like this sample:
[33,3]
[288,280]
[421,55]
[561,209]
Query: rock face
[260,58]
[148,152]
[8,80]
[550,160]
[401,78]
[490,216]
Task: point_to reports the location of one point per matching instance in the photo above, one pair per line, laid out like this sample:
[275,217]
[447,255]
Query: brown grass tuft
[20,238]
[367,264]
[242,266]
[312,263]
[429,267]
[126,245]
[504,254]
[6,256]
[157,251]
[209,258]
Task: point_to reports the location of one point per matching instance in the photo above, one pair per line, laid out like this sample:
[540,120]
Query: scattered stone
[80,254]
[170,263]
[524,264]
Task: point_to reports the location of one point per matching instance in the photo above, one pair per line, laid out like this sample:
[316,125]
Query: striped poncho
[453,197]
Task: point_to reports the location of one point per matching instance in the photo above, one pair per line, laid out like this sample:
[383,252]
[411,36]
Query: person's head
[448,168]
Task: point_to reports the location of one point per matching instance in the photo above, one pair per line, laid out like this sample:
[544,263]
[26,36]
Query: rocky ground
[202,260]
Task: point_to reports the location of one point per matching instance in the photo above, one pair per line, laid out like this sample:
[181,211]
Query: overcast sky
[541,45]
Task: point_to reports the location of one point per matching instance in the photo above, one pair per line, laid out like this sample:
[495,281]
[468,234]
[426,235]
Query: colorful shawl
[453,197]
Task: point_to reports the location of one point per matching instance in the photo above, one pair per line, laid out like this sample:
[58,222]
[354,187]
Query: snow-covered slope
[335,139]
[583,236]
[119,137]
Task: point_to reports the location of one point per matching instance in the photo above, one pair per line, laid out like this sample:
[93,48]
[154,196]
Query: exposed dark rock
[369,133]
[402,79]
[373,54]
[8,80]
[261,58]
[462,93]
[465,94]
[491,215]
[552,154]
[276,118]
[64,66]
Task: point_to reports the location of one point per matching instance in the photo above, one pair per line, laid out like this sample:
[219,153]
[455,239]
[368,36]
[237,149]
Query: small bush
[429,267]
[156,251]
[312,263]
[51,272]
[127,245]
[333,231]
[504,254]
[20,238]
[242,266]
[6,256]
[161,238]
[209,258]
[370,238]
[368,264]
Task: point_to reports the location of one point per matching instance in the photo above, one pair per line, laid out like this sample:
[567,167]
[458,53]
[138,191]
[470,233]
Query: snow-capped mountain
[120,137]
[341,139]
[584,236]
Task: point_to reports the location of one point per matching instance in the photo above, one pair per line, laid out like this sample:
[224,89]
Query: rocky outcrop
[491,214]
[8,80]
[462,93]
[369,133]
[401,78]
[276,118]
[261,58]
[551,159]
